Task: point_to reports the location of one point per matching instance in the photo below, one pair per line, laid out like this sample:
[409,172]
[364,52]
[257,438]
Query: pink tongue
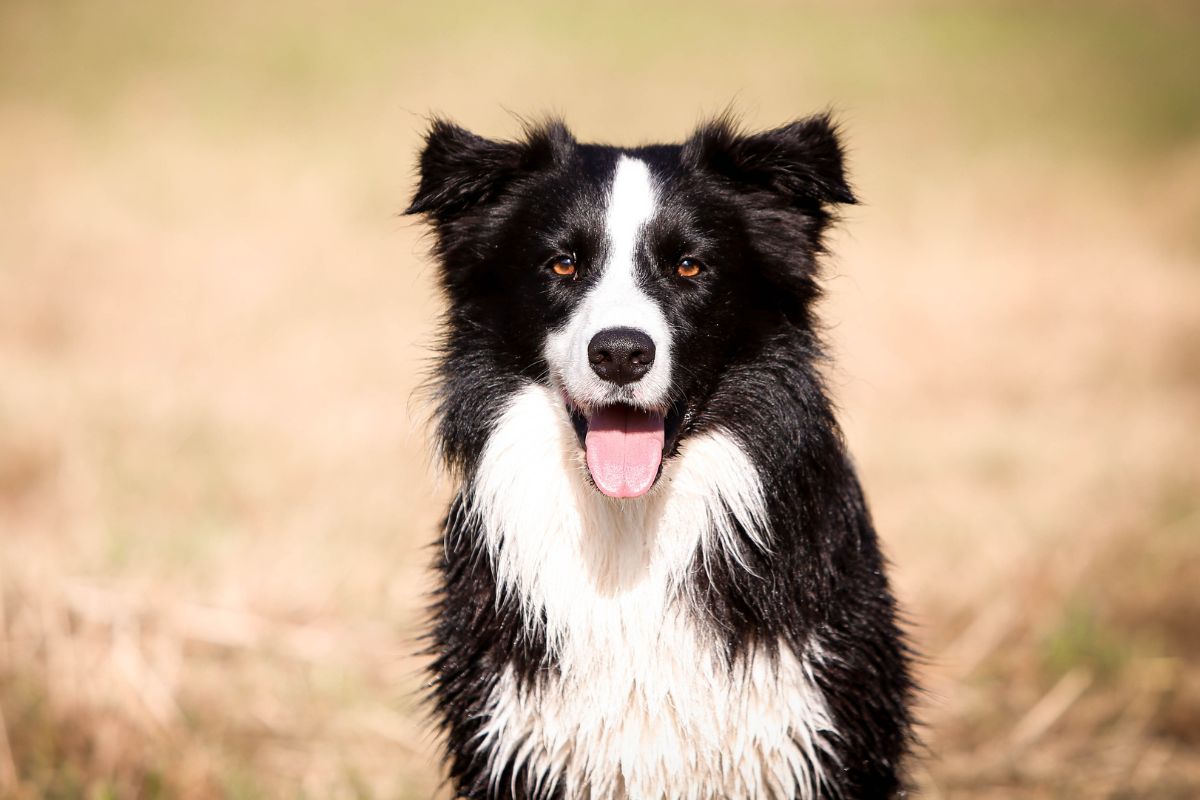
[624,449]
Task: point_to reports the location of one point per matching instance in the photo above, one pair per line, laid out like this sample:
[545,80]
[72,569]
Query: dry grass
[214,501]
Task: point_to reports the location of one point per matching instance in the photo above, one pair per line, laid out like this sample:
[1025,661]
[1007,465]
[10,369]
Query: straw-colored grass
[215,502]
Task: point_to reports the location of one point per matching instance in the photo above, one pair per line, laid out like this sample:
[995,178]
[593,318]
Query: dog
[658,577]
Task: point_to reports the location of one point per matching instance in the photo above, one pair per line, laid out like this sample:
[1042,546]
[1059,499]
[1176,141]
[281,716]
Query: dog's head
[631,281]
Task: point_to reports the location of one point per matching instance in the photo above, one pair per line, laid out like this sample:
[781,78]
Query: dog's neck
[555,541]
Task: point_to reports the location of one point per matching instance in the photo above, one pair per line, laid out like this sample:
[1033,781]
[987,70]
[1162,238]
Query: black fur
[758,205]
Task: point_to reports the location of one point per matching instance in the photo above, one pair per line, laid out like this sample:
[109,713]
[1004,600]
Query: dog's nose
[621,355]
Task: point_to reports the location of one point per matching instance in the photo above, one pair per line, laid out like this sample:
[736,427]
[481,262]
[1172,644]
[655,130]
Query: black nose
[621,355]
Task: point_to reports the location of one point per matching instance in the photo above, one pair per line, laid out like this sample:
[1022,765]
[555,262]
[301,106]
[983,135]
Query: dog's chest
[639,704]
[648,710]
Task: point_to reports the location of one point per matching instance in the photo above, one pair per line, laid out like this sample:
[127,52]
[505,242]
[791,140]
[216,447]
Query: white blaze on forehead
[630,205]
[616,301]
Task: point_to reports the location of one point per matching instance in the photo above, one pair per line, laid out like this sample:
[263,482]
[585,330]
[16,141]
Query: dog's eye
[688,267]
[563,265]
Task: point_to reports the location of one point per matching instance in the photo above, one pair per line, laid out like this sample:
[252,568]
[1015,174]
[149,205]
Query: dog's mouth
[625,446]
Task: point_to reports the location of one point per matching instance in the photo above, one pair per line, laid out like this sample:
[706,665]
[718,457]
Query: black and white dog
[659,578]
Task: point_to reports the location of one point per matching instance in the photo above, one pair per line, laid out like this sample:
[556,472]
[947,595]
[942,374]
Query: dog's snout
[621,355]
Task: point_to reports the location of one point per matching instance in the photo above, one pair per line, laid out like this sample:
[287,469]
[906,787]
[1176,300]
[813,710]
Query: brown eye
[688,268]
[563,265]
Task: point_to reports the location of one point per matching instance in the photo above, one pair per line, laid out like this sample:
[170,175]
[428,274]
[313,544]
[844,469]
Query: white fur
[615,301]
[642,705]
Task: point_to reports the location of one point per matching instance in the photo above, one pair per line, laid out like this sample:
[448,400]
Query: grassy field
[215,499]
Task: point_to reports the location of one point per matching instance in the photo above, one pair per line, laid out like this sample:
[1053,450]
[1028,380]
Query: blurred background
[215,501]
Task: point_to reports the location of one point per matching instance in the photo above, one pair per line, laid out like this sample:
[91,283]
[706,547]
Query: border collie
[659,578]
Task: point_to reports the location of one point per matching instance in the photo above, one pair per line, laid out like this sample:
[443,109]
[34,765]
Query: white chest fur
[641,705]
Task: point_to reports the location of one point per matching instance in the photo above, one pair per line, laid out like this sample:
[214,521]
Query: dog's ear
[460,170]
[802,161]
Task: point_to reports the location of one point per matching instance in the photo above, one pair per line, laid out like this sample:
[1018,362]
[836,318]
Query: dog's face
[629,280]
